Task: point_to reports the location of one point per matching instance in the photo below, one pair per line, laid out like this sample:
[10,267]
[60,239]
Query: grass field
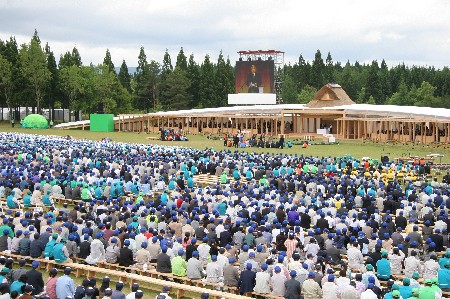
[355,148]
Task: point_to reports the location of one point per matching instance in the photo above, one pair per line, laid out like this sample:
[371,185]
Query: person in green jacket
[223,178]
[48,250]
[427,292]
[263,181]
[86,194]
[27,199]
[46,199]
[179,264]
[60,252]
[6,226]
[415,294]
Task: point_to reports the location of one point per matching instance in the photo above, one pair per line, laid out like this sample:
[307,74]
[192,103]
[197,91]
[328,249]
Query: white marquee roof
[360,109]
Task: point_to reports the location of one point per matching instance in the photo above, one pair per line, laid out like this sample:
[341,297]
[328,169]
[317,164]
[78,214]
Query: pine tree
[207,80]
[167,67]
[329,69]
[193,74]
[124,76]
[373,84]
[318,71]
[52,91]
[108,62]
[142,61]
[176,93]
[76,57]
[181,60]
[36,37]
[224,81]
[33,66]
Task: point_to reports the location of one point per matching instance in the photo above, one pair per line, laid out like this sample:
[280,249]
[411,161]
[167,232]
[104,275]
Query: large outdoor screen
[254,76]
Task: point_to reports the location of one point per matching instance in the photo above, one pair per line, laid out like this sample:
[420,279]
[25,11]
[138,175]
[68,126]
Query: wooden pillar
[282,123]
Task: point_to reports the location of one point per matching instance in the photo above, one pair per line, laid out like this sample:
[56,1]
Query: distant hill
[131,69]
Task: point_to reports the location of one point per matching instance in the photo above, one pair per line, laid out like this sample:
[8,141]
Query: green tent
[35,121]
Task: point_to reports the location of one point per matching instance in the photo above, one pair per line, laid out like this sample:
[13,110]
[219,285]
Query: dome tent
[35,121]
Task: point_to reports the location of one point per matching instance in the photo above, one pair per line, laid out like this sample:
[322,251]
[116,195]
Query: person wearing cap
[194,269]
[126,255]
[247,280]
[5,240]
[430,268]
[231,273]
[443,260]
[412,264]
[112,252]
[97,251]
[203,251]
[384,267]
[369,293]
[60,252]
[138,295]
[85,247]
[310,288]
[108,294]
[117,292]
[350,291]
[292,286]
[330,289]
[164,293]
[134,289]
[179,264]
[37,246]
[406,289]
[396,259]
[277,282]
[154,248]
[428,290]
[50,288]
[24,244]
[65,285]
[262,281]
[214,271]
[355,257]
[35,278]
[444,277]
[163,263]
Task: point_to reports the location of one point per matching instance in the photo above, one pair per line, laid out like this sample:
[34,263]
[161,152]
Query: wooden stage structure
[330,107]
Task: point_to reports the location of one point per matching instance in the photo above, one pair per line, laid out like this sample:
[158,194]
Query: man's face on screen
[253,69]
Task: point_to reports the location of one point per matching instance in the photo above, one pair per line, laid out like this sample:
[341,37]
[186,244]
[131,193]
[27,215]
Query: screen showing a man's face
[253,69]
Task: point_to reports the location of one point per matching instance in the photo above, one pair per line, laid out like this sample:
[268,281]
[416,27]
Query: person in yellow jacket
[179,264]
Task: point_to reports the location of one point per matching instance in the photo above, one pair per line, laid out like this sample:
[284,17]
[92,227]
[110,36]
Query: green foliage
[289,94]
[32,78]
[181,60]
[224,80]
[176,93]
[318,71]
[33,67]
[207,80]
[125,77]
[6,82]
[306,94]
[107,61]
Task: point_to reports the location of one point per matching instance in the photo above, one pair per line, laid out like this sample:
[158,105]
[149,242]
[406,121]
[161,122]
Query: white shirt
[368,294]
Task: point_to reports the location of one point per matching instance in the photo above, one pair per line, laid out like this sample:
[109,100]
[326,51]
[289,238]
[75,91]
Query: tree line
[31,77]
[373,83]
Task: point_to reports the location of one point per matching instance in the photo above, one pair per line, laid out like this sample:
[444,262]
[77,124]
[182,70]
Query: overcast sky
[414,32]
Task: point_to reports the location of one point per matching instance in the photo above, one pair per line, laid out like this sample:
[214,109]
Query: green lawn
[355,148]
